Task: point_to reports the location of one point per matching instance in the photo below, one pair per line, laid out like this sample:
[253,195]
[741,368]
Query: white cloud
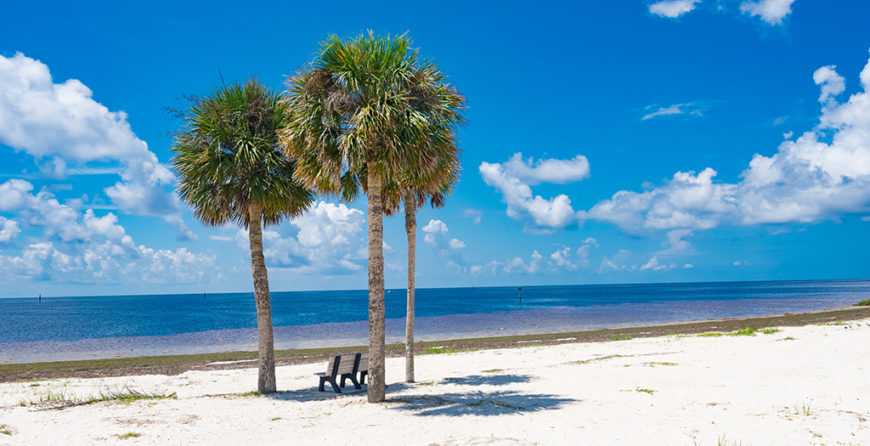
[514,177]
[823,174]
[673,8]
[61,124]
[448,248]
[86,248]
[327,239]
[474,214]
[832,84]
[8,230]
[771,11]
[688,108]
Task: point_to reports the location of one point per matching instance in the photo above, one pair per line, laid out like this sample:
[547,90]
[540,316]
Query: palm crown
[369,103]
[229,161]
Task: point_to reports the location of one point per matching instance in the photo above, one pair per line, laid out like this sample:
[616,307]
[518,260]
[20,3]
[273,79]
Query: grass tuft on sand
[863,303]
[127,435]
[438,351]
[5,429]
[60,400]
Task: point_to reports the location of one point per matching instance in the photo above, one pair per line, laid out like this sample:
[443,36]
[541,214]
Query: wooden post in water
[520,293]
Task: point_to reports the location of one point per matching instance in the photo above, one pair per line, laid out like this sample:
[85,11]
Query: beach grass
[5,429]
[712,334]
[62,400]
[175,364]
[769,331]
[745,331]
[438,351]
[646,391]
[863,303]
[621,337]
[127,435]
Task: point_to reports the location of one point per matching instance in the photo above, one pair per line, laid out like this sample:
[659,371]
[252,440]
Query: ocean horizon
[95,327]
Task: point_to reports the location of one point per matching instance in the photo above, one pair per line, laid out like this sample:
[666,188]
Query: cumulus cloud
[84,247]
[514,178]
[673,8]
[60,124]
[821,175]
[688,108]
[564,258]
[448,248]
[771,11]
[8,230]
[328,239]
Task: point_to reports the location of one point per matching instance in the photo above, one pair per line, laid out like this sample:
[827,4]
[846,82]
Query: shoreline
[177,364]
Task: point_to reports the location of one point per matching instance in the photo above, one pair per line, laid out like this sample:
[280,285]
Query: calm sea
[65,328]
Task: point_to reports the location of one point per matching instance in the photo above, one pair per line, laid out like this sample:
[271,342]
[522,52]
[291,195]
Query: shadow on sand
[476,402]
[487,380]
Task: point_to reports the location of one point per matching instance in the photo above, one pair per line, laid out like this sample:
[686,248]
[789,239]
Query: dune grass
[745,331]
[5,429]
[863,303]
[646,391]
[620,337]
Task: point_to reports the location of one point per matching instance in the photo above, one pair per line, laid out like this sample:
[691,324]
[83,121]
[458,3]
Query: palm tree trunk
[411,230]
[377,366]
[266,375]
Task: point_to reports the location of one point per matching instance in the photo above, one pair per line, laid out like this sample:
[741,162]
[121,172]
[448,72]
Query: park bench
[342,368]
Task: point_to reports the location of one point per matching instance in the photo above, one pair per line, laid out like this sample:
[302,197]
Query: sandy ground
[799,386]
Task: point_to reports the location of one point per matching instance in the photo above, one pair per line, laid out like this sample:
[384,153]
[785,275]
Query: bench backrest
[345,364]
[363,363]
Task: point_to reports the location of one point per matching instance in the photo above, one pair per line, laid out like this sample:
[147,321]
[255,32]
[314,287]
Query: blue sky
[680,140]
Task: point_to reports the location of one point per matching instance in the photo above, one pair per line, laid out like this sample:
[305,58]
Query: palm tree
[231,169]
[411,193]
[356,122]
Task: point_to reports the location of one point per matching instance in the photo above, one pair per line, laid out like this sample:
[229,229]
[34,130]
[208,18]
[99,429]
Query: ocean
[71,328]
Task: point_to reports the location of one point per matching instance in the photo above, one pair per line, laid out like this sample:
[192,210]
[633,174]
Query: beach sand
[799,386]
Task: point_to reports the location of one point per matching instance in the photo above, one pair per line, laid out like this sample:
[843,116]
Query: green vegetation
[426,383]
[863,303]
[492,371]
[276,419]
[62,400]
[620,337]
[714,334]
[647,391]
[654,364]
[5,429]
[127,435]
[770,331]
[788,339]
[438,350]
[745,331]
[251,394]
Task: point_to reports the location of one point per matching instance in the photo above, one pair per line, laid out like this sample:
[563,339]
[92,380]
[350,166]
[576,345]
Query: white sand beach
[798,386]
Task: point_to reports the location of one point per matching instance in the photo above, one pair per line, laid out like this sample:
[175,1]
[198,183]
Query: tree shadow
[489,380]
[312,394]
[477,403]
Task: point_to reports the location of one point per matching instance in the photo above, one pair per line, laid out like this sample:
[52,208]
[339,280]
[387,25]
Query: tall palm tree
[355,122]
[411,194]
[231,169]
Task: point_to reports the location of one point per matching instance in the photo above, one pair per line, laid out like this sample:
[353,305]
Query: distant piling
[520,293]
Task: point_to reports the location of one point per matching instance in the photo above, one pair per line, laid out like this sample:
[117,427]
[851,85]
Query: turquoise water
[64,328]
